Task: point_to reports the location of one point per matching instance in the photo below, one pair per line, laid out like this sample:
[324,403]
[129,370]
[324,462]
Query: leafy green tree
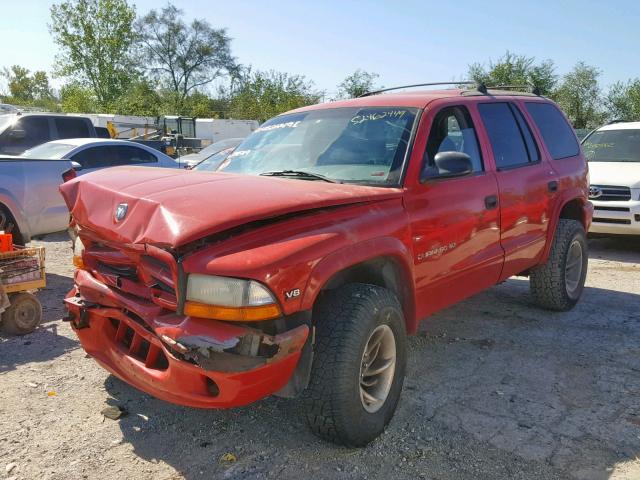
[139,99]
[183,57]
[95,39]
[261,95]
[513,69]
[623,101]
[75,98]
[25,87]
[579,96]
[357,84]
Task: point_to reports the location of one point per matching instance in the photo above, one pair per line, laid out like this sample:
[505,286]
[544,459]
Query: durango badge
[121,211]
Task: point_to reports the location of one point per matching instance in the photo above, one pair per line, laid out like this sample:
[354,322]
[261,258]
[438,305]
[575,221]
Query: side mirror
[17,134]
[76,166]
[447,165]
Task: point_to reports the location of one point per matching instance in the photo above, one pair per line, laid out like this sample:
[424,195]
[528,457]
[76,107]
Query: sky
[404,42]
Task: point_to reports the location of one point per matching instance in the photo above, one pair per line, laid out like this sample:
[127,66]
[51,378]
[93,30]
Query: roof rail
[433,84]
[534,89]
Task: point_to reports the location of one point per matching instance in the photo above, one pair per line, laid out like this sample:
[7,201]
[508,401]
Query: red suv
[300,267]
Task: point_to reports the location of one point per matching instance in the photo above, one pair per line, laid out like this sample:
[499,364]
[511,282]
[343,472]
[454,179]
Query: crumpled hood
[624,174]
[171,208]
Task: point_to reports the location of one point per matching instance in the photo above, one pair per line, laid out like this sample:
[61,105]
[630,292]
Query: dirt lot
[495,389]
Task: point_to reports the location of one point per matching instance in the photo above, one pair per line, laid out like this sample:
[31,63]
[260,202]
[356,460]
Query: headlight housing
[225,298]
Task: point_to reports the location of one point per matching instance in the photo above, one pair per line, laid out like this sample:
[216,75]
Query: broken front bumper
[188,361]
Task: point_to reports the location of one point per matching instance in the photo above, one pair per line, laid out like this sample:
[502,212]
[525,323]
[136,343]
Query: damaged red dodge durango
[300,267]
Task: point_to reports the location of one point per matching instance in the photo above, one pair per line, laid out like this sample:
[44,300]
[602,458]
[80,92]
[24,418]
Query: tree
[513,69]
[25,87]
[95,39]
[262,95]
[141,99]
[623,101]
[183,57]
[579,96]
[357,84]
[76,98]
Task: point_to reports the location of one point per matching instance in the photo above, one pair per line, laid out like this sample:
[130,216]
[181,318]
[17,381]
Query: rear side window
[72,127]
[510,137]
[36,130]
[127,155]
[556,132]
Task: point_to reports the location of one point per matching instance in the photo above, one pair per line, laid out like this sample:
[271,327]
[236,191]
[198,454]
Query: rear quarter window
[72,128]
[557,134]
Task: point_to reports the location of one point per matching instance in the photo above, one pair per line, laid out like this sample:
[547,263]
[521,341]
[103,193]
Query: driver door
[454,220]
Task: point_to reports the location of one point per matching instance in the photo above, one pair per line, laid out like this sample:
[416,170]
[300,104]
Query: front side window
[452,131]
[505,135]
[621,145]
[24,133]
[95,157]
[557,134]
[352,145]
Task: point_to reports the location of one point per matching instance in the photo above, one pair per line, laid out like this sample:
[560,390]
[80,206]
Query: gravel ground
[495,389]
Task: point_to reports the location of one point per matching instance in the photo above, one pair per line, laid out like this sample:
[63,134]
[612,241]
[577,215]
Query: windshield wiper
[299,174]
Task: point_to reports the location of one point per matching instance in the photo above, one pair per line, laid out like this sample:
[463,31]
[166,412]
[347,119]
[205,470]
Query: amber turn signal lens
[239,314]
[77,261]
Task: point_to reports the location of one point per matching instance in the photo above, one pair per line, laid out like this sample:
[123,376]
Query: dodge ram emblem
[121,211]
[595,192]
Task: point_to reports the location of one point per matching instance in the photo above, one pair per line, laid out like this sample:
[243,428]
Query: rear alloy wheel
[558,284]
[358,366]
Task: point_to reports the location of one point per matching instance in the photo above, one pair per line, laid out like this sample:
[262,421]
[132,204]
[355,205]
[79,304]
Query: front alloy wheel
[359,364]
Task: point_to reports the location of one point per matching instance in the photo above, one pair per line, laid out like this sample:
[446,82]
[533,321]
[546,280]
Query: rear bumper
[187,361]
[617,218]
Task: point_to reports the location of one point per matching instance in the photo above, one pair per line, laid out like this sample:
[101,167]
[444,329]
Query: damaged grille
[133,273]
[136,346]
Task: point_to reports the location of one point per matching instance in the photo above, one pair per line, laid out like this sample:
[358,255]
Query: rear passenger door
[526,183]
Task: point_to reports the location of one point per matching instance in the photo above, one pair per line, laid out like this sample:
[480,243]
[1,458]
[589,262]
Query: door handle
[552,186]
[491,202]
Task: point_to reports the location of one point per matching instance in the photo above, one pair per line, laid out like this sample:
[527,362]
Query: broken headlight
[225,298]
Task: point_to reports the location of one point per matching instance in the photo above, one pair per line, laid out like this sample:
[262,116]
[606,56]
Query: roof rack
[480,87]
[433,84]
[534,89]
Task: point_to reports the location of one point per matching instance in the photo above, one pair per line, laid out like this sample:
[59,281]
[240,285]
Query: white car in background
[613,152]
[97,153]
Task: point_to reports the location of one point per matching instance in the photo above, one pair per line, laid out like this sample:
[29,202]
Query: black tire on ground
[347,320]
[8,225]
[23,316]
[553,285]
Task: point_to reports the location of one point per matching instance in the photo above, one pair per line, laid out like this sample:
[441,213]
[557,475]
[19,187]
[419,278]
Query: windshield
[212,163]
[49,150]
[352,145]
[613,146]
[218,146]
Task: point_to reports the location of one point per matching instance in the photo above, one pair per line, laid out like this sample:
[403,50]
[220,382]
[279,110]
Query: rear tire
[558,284]
[23,315]
[359,364]
[8,225]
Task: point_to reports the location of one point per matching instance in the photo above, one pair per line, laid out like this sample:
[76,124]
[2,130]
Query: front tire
[359,364]
[558,284]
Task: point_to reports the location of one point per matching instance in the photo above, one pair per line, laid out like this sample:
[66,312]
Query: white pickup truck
[613,152]
[30,202]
